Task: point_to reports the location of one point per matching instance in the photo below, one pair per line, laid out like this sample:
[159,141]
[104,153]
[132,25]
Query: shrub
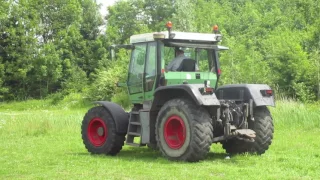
[104,85]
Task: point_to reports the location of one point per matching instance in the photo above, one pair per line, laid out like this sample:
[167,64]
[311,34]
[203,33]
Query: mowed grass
[47,144]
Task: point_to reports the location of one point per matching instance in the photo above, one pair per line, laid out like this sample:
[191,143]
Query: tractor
[181,113]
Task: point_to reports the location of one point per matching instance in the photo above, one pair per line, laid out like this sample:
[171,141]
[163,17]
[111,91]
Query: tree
[124,19]
[18,49]
[184,15]
[157,13]
[47,71]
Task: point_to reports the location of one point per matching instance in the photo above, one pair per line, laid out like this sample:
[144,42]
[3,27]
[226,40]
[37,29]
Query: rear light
[219,71]
[163,71]
[208,89]
[267,92]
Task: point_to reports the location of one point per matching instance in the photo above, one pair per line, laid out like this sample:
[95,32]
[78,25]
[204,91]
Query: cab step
[134,134]
[136,123]
[134,129]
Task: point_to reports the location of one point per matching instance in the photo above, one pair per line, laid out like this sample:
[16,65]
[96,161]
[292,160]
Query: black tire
[263,126]
[196,127]
[98,120]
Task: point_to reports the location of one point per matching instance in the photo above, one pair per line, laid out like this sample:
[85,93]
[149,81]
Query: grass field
[42,142]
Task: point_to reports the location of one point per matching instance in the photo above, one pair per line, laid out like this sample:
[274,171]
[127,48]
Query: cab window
[137,68]
[150,74]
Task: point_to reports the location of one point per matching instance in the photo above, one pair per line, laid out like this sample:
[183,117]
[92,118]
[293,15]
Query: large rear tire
[184,131]
[263,126]
[99,132]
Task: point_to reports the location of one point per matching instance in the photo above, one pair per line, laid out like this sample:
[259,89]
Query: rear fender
[191,91]
[119,116]
[245,92]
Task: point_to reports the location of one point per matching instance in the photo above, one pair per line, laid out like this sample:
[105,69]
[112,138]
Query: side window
[167,54]
[151,60]
[203,61]
[151,66]
[136,69]
[189,52]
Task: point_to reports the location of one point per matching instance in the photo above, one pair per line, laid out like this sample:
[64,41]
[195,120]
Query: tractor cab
[152,53]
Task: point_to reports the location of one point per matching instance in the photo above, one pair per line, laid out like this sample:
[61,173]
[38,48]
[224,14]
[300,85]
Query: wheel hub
[97,132]
[174,132]
[100,131]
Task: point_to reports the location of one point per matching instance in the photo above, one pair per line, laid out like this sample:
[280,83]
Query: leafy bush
[76,82]
[303,93]
[122,98]
[104,85]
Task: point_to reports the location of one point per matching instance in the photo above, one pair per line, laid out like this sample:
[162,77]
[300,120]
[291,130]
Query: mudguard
[120,117]
[165,93]
[245,92]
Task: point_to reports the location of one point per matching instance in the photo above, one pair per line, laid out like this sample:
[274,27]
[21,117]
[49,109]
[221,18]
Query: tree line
[60,47]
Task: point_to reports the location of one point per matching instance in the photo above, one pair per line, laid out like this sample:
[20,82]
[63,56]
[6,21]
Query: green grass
[38,141]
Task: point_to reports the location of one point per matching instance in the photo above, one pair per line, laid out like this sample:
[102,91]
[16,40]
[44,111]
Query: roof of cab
[192,37]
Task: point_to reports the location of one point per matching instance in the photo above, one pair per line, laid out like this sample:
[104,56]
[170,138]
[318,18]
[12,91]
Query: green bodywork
[174,78]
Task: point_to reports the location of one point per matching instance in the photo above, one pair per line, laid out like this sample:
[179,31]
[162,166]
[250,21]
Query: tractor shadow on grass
[213,156]
[146,155]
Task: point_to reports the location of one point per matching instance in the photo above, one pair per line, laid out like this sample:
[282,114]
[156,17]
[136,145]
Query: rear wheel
[183,131]
[263,126]
[99,132]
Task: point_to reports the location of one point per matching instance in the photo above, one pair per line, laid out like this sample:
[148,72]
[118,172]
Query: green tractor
[182,112]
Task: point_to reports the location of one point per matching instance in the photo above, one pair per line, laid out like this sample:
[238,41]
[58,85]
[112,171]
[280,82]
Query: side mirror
[113,47]
[112,52]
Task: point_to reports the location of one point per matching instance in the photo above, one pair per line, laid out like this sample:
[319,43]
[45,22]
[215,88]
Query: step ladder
[134,129]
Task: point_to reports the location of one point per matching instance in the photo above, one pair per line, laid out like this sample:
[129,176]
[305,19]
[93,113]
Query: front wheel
[99,132]
[183,131]
[263,126]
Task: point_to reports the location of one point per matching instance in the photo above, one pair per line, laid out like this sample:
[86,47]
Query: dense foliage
[59,46]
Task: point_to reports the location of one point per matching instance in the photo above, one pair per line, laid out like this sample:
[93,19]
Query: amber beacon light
[169,27]
[169,24]
[215,29]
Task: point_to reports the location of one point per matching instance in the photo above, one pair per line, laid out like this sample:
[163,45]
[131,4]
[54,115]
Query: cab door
[150,71]
[136,73]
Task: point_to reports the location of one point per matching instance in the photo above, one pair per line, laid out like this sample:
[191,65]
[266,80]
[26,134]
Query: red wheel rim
[174,132]
[97,132]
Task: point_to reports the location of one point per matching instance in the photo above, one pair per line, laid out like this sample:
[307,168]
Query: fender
[165,93]
[245,92]
[121,118]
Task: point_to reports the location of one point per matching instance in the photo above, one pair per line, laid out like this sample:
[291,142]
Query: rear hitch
[226,119]
[245,134]
[231,130]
